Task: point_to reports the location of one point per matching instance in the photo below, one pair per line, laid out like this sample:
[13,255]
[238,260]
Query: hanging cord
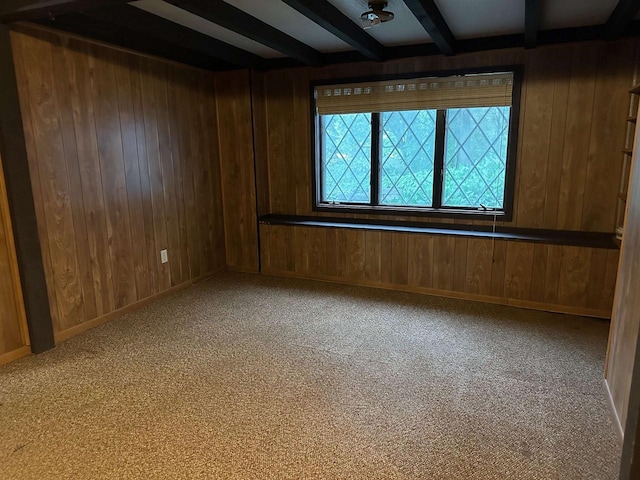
[493,230]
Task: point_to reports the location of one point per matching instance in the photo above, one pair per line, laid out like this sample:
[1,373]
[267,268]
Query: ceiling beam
[236,20]
[428,14]
[85,26]
[532,10]
[24,10]
[333,20]
[621,17]
[469,45]
[158,28]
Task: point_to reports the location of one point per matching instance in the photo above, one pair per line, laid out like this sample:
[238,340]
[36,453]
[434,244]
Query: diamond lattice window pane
[346,158]
[406,166]
[475,157]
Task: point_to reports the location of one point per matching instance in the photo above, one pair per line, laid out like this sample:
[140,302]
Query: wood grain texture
[498,272]
[572,114]
[625,322]
[235,126]
[13,329]
[50,161]
[124,164]
[579,126]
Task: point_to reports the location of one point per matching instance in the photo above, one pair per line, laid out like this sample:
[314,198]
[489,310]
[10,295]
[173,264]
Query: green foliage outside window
[346,158]
[475,157]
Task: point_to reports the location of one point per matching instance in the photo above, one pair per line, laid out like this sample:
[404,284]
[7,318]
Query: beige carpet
[255,377]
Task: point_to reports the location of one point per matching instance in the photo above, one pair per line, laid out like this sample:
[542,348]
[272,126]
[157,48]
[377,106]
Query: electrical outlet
[164,256]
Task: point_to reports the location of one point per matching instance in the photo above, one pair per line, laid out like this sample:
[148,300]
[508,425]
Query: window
[429,145]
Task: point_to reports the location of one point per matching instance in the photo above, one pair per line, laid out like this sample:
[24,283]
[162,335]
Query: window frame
[505,214]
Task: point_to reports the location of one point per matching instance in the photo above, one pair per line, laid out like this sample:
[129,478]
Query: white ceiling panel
[194,22]
[575,13]
[466,19]
[404,29]
[281,16]
[483,18]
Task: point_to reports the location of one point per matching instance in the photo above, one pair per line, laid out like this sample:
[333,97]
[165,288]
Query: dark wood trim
[621,17]
[438,159]
[316,155]
[512,147]
[532,11]
[21,205]
[530,235]
[469,213]
[24,10]
[333,20]
[255,162]
[144,23]
[93,28]
[373,208]
[376,140]
[429,16]
[545,37]
[237,20]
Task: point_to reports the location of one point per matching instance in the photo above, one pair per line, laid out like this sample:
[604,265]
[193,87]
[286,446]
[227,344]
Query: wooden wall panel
[572,124]
[124,160]
[42,114]
[580,122]
[112,172]
[497,272]
[573,106]
[625,323]
[606,137]
[235,125]
[14,339]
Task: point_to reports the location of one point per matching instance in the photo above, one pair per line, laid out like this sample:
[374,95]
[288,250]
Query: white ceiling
[189,20]
[281,16]
[483,18]
[466,19]
[575,13]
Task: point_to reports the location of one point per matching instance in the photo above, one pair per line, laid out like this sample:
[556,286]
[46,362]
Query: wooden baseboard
[545,307]
[14,355]
[73,331]
[614,413]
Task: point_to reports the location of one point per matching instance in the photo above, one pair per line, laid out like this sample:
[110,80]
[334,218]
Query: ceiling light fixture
[376,15]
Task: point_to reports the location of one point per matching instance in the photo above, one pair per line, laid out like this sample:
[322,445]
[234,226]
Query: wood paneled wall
[625,322]
[558,278]
[238,175]
[572,127]
[14,339]
[124,163]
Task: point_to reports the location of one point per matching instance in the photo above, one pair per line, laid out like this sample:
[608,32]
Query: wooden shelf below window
[531,235]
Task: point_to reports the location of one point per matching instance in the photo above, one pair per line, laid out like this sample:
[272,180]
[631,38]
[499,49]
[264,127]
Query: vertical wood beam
[21,206]
[334,21]
[621,18]
[531,22]
[429,16]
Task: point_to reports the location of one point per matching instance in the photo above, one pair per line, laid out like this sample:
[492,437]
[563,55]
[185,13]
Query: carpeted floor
[254,377]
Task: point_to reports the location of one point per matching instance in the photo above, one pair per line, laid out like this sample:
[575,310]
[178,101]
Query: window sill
[528,235]
[444,212]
